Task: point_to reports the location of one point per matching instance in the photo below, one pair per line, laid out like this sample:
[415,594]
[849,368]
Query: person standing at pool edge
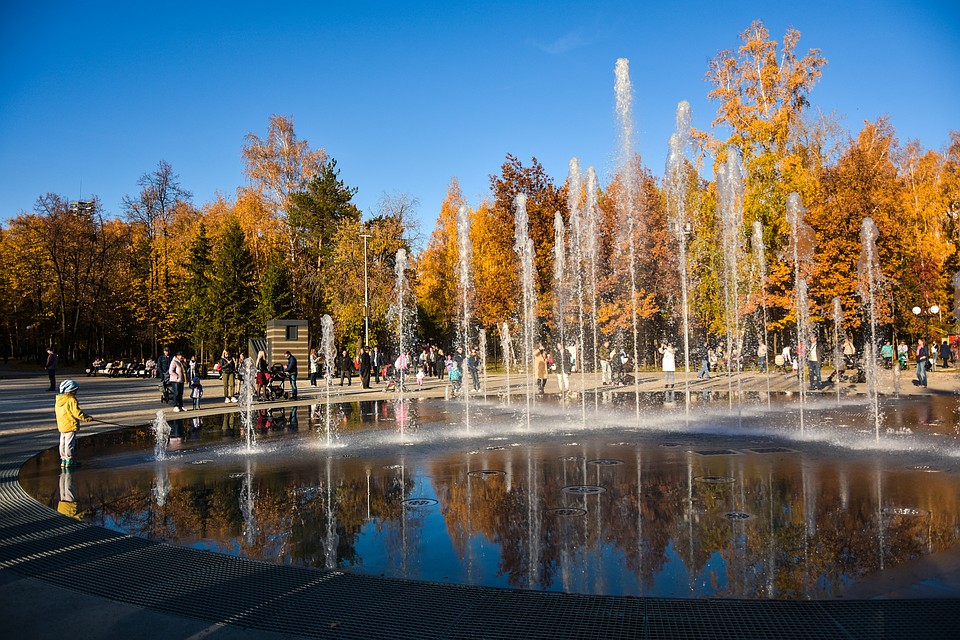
[69,416]
[51,368]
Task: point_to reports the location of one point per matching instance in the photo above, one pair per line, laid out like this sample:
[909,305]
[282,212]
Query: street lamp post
[926,314]
[366,291]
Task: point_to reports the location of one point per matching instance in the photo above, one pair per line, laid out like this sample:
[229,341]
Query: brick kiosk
[288,335]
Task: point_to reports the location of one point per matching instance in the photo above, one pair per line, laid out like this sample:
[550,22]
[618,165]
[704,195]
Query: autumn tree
[436,268]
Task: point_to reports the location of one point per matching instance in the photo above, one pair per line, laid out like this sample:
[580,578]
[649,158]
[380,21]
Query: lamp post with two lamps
[366,291]
[926,314]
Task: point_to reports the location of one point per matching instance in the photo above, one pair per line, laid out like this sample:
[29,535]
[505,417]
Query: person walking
[606,372]
[365,365]
[228,374]
[762,357]
[69,416]
[813,363]
[291,369]
[945,353]
[178,375]
[669,364]
[923,355]
[51,367]
[473,366]
[540,368]
[704,372]
[313,366]
[376,361]
[345,364]
[263,370]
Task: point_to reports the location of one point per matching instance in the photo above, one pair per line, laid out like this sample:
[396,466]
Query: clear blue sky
[408,95]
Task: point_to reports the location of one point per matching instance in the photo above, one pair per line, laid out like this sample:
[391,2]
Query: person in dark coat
[345,364]
[291,369]
[366,364]
[51,368]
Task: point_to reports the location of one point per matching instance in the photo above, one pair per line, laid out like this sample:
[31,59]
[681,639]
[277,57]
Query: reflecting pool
[712,506]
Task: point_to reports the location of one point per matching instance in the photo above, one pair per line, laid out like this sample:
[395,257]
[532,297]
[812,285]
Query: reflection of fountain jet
[331,540]
[247,506]
[161,484]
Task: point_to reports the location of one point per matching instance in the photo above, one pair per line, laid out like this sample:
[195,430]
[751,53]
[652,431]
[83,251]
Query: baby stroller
[276,386]
[166,390]
[395,379]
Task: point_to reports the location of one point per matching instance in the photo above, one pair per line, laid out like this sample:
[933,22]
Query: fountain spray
[466,257]
[523,245]
[624,94]
[760,254]
[677,214]
[730,191]
[869,273]
[329,356]
[801,248]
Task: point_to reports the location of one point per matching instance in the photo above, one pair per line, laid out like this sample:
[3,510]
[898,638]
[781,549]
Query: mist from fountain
[760,257]
[482,341]
[675,184]
[463,272]
[869,275]
[624,102]
[161,436]
[523,245]
[329,350]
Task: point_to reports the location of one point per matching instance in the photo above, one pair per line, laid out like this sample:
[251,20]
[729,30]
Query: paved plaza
[61,578]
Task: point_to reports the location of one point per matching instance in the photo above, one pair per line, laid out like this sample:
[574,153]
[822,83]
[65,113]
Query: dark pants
[52,374]
[476,379]
[814,369]
[348,375]
[365,379]
[177,394]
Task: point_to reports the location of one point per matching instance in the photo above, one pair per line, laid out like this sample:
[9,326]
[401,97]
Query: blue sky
[408,95]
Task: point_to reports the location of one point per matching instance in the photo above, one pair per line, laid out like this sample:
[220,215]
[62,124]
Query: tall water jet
[730,193]
[401,316]
[869,273]
[837,351]
[801,252]
[248,387]
[591,248]
[161,436]
[561,295]
[760,256]
[328,348]
[679,223]
[523,245]
[463,272]
[482,341]
[624,95]
[506,346]
[575,264]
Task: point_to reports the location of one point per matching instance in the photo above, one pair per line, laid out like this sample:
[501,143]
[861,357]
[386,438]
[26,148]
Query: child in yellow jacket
[68,421]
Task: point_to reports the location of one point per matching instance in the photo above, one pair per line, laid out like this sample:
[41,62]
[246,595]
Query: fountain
[161,436]
[329,350]
[248,391]
[402,313]
[561,295]
[506,346]
[628,170]
[838,365]
[675,186]
[730,195]
[577,239]
[592,257]
[463,272]
[523,245]
[869,273]
[801,256]
[482,341]
[760,256]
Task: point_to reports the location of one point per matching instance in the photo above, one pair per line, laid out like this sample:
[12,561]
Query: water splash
[248,387]
[506,346]
[466,257]
[329,357]
[801,253]
[730,192]
[760,257]
[402,314]
[161,436]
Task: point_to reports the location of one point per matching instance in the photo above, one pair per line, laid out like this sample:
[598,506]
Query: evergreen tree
[198,307]
[276,295]
[232,288]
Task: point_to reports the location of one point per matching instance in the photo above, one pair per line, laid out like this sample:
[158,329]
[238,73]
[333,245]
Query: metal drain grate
[716,452]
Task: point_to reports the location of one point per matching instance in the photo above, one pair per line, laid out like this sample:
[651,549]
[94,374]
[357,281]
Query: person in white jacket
[669,364]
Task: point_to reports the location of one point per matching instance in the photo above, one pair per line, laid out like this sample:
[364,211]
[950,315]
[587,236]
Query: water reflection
[621,512]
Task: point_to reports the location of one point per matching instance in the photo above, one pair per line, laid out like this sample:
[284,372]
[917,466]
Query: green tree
[276,299]
[232,288]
